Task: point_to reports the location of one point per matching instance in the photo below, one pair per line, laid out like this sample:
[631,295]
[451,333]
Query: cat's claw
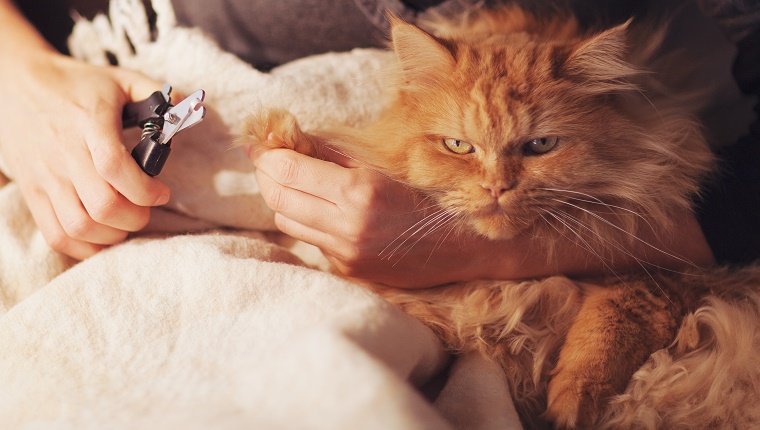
[272,129]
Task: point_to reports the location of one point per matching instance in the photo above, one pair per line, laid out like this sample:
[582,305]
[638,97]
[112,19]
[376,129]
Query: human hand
[62,145]
[368,225]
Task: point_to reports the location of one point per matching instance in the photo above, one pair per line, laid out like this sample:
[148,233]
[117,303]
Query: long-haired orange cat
[516,123]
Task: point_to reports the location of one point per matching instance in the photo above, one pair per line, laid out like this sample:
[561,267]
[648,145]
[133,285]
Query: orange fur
[496,79]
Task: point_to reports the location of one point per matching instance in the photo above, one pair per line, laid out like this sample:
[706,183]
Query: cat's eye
[541,145]
[458,146]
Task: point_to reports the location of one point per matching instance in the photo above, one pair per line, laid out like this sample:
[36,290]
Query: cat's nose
[497,189]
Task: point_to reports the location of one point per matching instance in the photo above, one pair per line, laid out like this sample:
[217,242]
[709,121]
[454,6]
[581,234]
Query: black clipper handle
[148,115]
[151,155]
[137,113]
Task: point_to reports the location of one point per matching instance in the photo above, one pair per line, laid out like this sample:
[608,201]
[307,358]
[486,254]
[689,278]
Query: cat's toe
[573,402]
[562,404]
[269,129]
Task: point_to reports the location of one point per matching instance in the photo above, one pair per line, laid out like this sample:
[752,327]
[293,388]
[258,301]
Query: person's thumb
[136,86]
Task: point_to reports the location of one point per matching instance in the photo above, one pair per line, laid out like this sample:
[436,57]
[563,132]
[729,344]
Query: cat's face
[514,130]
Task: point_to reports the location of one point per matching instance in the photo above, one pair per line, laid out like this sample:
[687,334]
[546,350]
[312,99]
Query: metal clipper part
[160,121]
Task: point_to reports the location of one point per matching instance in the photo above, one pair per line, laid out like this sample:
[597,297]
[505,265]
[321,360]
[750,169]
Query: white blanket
[221,328]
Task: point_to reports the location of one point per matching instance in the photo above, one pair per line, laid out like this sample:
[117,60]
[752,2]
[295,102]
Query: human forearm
[678,247]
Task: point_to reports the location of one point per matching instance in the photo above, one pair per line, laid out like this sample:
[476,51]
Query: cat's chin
[496,227]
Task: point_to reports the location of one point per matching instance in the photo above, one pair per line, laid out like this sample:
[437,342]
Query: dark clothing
[53,18]
[271,32]
[729,211]
[264,33]
[251,29]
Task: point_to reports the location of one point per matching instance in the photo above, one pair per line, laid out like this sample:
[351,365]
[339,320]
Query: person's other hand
[369,226]
[61,142]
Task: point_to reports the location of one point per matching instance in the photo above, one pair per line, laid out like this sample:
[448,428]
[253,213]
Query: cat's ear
[421,56]
[600,60]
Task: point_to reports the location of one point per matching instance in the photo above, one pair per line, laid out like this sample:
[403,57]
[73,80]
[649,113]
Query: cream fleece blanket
[222,328]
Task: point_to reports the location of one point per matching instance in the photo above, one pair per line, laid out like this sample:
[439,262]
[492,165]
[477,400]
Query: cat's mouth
[496,221]
[490,211]
[492,208]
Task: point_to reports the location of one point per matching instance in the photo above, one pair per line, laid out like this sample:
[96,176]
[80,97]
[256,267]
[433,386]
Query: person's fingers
[105,205]
[111,159]
[114,163]
[297,205]
[320,178]
[326,242]
[348,256]
[74,219]
[45,218]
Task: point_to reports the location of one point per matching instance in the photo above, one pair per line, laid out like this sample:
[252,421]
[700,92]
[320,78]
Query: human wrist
[496,259]
[526,256]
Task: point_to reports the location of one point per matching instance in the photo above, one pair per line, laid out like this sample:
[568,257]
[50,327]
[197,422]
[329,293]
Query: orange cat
[517,123]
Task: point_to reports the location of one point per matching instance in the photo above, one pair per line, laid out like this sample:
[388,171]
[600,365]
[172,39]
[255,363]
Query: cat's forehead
[518,56]
[501,87]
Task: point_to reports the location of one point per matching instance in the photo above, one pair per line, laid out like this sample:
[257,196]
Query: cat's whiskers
[458,222]
[586,245]
[600,202]
[595,239]
[442,222]
[437,226]
[612,211]
[620,248]
[423,223]
[425,209]
[421,201]
[551,252]
[363,164]
[417,224]
[633,236]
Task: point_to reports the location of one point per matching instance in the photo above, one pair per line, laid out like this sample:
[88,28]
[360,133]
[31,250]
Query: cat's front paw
[274,128]
[575,397]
